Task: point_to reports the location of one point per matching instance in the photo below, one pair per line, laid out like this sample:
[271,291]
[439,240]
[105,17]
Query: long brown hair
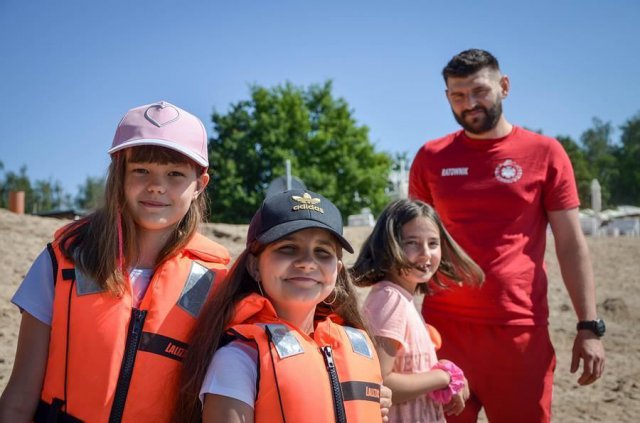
[91,243]
[216,315]
[382,251]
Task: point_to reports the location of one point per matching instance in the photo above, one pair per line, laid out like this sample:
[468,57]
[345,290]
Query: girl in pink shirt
[408,248]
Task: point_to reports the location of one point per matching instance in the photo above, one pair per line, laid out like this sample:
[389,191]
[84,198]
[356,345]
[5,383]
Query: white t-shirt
[35,293]
[233,373]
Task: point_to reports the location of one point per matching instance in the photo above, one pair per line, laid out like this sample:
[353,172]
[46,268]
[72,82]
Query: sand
[616,263]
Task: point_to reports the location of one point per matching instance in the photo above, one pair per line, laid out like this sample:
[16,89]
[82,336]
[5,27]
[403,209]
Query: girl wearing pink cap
[108,306]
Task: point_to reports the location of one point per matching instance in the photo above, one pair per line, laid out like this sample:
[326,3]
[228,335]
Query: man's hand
[588,348]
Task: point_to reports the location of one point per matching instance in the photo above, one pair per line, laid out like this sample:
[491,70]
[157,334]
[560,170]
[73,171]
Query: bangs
[157,154]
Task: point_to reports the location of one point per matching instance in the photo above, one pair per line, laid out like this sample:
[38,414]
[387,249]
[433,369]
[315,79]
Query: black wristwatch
[595,326]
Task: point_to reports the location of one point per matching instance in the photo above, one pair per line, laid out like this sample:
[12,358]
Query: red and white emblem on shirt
[508,171]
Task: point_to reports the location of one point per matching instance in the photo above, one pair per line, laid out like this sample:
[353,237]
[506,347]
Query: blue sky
[69,70]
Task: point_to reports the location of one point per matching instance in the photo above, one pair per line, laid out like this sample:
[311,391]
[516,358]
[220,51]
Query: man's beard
[481,124]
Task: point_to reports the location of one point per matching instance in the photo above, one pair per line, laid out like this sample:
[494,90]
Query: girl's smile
[420,240]
[298,271]
[153,204]
[158,196]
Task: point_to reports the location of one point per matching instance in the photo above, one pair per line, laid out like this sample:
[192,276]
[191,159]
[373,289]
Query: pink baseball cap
[165,125]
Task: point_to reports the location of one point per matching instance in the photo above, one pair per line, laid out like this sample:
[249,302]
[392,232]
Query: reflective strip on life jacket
[123,363]
[333,376]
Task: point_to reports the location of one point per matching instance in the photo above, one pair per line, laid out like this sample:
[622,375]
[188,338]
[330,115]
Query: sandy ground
[616,262]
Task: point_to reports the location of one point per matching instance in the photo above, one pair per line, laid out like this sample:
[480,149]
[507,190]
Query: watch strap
[595,326]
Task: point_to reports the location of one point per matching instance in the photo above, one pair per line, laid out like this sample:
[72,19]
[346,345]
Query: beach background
[616,263]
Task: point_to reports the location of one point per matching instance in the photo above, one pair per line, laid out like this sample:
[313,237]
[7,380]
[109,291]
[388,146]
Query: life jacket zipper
[126,369]
[336,389]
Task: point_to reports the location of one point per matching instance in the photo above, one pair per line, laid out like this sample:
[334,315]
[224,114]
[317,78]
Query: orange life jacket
[332,376]
[111,362]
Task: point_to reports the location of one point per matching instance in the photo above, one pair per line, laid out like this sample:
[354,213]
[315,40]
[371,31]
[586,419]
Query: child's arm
[406,386]
[221,409]
[20,398]
[458,401]
[229,387]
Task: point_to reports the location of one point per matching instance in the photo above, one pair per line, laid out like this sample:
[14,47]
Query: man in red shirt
[497,186]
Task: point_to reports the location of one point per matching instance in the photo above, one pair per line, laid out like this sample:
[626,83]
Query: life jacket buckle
[54,410]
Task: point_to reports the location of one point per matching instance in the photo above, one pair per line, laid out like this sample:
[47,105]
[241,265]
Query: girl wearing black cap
[282,340]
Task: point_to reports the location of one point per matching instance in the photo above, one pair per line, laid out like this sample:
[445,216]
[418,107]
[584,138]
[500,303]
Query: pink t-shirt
[391,313]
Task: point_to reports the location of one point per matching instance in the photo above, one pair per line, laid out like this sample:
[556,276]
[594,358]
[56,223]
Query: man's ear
[505,86]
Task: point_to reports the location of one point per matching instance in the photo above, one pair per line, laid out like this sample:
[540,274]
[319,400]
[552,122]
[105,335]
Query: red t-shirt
[492,196]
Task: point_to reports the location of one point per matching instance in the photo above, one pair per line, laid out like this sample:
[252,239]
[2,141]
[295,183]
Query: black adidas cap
[287,212]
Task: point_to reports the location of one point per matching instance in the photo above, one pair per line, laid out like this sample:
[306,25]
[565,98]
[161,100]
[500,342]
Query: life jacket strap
[54,262]
[52,413]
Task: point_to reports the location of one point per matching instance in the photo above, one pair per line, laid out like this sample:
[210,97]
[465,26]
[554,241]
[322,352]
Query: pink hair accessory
[456,384]
[120,244]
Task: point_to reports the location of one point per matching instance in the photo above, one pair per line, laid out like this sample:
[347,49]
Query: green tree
[47,196]
[91,193]
[327,148]
[626,190]
[13,181]
[580,168]
[42,196]
[599,152]
[3,203]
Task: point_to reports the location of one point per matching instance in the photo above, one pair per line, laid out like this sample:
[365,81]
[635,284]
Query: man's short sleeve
[560,190]
[418,181]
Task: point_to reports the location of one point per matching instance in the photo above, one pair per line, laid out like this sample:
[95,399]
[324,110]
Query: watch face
[595,326]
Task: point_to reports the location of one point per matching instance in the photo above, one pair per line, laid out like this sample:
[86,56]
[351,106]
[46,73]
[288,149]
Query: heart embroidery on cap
[155,109]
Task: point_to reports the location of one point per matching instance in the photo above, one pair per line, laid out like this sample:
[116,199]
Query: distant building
[399,183]
[624,220]
[365,218]
[70,214]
